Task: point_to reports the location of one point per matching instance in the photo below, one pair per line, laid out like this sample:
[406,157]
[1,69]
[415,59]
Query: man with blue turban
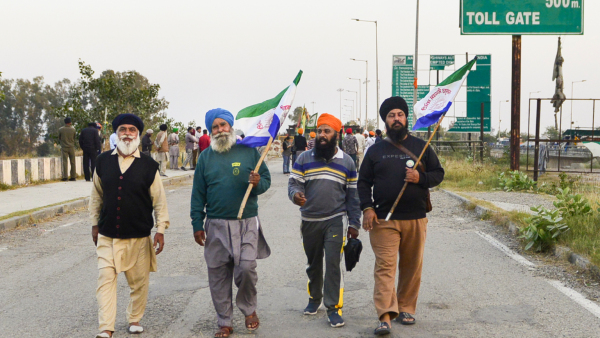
[231,245]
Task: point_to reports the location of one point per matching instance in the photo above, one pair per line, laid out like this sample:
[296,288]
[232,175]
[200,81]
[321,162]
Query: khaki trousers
[137,262]
[68,155]
[388,240]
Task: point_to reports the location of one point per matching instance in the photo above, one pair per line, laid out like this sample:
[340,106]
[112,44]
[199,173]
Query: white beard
[128,148]
[222,143]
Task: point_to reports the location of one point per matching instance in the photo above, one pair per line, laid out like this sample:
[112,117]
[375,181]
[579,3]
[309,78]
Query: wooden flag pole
[260,161]
[416,167]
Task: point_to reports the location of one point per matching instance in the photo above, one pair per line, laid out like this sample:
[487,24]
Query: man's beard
[326,150]
[127,147]
[222,142]
[396,134]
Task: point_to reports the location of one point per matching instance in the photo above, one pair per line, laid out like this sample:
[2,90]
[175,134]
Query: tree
[551,133]
[295,116]
[111,94]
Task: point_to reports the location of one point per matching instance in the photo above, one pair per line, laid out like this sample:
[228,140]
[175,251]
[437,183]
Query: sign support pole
[481,133]
[515,103]
[416,64]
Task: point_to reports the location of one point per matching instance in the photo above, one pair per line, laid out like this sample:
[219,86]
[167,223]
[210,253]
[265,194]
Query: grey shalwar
[231,250]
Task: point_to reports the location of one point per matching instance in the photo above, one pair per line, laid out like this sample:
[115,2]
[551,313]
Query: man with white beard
[127,189]
[231,245]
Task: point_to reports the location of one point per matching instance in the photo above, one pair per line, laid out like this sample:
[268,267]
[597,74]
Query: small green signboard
[403,77]
[439,62]
[478,91]
[521,17]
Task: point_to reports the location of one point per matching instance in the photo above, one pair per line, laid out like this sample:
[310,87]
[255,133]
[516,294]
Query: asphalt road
[470,288]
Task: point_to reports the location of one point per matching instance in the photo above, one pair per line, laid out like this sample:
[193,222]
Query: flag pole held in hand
[415,166]
[433,107]
[260,161]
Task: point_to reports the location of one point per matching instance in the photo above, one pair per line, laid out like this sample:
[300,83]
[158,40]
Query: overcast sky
[231,54]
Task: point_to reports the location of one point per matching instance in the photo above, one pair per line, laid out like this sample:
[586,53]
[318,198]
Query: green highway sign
[523,17]
[438,62]
[478,91]
[403,77]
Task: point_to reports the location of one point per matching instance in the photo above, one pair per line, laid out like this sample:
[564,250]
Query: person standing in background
[300,145]
[369,141]
[162,149]
[378,136]
[190,142]
[350,145]
[311,141]
[203,141]
[113,141]
[147,142]
[196,152]
[173,141]
[287,152]
[66,137]
[360,139]
[89,141]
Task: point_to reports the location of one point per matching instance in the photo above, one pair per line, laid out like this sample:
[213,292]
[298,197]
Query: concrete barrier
[28,170]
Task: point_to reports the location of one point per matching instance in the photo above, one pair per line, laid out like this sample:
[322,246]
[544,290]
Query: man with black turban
[232,245]
[386,167]
[127,190]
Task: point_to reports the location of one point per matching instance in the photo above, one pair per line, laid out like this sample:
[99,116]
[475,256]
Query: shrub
[516,182]
[571,204]
[543,228]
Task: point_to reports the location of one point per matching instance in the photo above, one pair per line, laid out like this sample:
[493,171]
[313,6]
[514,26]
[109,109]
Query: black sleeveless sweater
[127,204]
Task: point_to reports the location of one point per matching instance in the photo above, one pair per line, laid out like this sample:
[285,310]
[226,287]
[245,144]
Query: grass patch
[584,234]
[30,211]
[464,175]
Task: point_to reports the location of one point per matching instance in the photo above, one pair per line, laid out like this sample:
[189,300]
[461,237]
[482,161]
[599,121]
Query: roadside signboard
[403,77]
[439,62]
[478,91]
[522,17]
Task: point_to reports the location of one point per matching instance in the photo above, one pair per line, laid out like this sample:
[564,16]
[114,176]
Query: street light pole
[340,90]
[352,106]
[376,62]
[499,116]
[366,91]
[359,110]
[572,83]
[313,103]
[357,102]
[416,61]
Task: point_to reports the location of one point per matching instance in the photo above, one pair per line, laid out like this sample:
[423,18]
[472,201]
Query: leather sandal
[251,320]
[224,332]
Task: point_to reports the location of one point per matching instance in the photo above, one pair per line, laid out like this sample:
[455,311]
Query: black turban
[128,119]
[67,120]
[163,127]
[394,102]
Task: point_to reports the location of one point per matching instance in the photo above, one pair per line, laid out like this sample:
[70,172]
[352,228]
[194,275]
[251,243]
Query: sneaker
[64,179]
[312,308]
[72,179]
[335,319]
[183,168]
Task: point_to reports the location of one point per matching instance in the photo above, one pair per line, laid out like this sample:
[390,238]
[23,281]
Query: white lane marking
[62,226]
[576,297]
[507,251]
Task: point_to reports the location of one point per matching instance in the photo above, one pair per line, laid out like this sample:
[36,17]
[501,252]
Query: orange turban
[329,120]
[312,134]
[300,131]
[372,133]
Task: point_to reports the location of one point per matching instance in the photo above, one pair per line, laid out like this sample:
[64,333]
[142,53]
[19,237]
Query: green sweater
[221,181]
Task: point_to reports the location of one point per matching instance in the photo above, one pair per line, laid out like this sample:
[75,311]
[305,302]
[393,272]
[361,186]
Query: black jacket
[384,170]
[300,143]
[89,140]
[147,143]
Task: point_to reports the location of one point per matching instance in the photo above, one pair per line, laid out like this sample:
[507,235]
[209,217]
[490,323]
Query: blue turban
[128,119]
[212,114]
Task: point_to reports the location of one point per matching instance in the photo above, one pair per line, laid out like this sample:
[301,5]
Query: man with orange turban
[369,141]
[311,141]
[299,145]
[323,184]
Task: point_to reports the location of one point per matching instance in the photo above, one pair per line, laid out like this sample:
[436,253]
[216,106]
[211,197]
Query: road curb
[558,251]
[49,212]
